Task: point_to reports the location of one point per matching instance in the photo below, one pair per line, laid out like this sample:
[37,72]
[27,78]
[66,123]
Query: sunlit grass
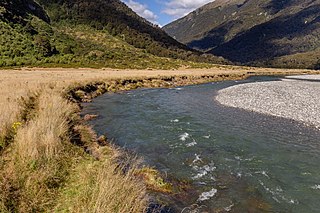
[41,167]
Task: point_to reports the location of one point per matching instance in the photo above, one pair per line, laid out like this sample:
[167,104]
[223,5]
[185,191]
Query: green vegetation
[81,35]
[153,180]
[310,60]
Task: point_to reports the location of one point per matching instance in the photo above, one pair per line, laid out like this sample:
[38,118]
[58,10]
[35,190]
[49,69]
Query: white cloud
[179,8]
[142,10]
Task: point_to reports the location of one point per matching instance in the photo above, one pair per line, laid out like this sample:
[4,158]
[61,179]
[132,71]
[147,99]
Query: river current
[235,160]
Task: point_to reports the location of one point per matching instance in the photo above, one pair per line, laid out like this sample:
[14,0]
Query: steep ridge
[257,32]
[17,11]
[96,33]
[116,17]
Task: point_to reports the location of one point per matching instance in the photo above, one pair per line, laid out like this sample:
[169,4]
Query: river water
[235,160]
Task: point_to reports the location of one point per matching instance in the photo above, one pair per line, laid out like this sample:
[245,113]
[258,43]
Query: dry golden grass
[41,170]
[15,84]
[43,135]
[38,160]
[102,187]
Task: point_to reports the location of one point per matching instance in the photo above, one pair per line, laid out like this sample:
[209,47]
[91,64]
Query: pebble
[294,97]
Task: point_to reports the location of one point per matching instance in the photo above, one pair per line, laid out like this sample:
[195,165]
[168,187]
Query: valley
[102,110]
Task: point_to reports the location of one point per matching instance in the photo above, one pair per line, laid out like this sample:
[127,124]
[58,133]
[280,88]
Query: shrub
[43,45]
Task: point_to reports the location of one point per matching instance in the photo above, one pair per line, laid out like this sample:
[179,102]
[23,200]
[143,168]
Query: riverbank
[294,97]
[52,161]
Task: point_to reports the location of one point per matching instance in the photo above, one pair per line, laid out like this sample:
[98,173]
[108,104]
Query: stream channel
[235,160]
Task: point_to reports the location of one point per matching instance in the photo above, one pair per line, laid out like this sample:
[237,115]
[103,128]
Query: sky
[163,12]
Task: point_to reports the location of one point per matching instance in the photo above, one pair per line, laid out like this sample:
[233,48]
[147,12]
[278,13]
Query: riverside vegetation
[42,168]
[51,160]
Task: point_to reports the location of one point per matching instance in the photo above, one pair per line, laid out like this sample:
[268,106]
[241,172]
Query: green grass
[67,45]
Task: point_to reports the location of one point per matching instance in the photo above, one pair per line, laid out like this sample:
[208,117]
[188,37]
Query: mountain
[16,11]
[98,33]
[283,33]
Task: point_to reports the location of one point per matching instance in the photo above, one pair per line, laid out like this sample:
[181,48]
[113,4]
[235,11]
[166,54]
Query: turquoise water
[235,160]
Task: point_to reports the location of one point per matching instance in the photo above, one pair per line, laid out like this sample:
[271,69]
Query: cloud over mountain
[142,10]
[179,8]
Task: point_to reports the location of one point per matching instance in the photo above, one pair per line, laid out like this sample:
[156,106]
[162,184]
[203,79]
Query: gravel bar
[294,97]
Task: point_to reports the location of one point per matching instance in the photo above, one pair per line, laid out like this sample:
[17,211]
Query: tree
[43,45]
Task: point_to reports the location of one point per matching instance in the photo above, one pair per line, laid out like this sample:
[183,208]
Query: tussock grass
[39,158]
[36,166]
[103,187]
[43,136]
[45,168]
[39,164]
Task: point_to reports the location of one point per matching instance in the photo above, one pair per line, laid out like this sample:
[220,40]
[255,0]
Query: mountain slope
[116,17]
[99,33]
[17,11]
[259,32]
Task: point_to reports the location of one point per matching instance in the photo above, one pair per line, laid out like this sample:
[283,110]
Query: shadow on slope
[18,10]
[266,41]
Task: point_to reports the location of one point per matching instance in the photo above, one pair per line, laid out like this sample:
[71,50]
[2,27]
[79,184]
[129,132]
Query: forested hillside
[96,33]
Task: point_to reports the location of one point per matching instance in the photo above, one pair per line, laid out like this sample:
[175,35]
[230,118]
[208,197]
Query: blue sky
[162,12]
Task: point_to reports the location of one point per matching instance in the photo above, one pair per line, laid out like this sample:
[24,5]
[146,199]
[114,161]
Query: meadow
[52,161]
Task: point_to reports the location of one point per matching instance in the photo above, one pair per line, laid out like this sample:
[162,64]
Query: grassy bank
[51,160]
[46,167]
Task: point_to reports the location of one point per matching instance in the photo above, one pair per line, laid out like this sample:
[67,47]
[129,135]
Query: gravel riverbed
[294,97]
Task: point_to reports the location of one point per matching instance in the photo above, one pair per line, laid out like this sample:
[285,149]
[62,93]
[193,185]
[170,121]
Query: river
[235,160]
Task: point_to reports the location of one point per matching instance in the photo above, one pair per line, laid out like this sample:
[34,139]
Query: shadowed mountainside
[257,32]
[17,11]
